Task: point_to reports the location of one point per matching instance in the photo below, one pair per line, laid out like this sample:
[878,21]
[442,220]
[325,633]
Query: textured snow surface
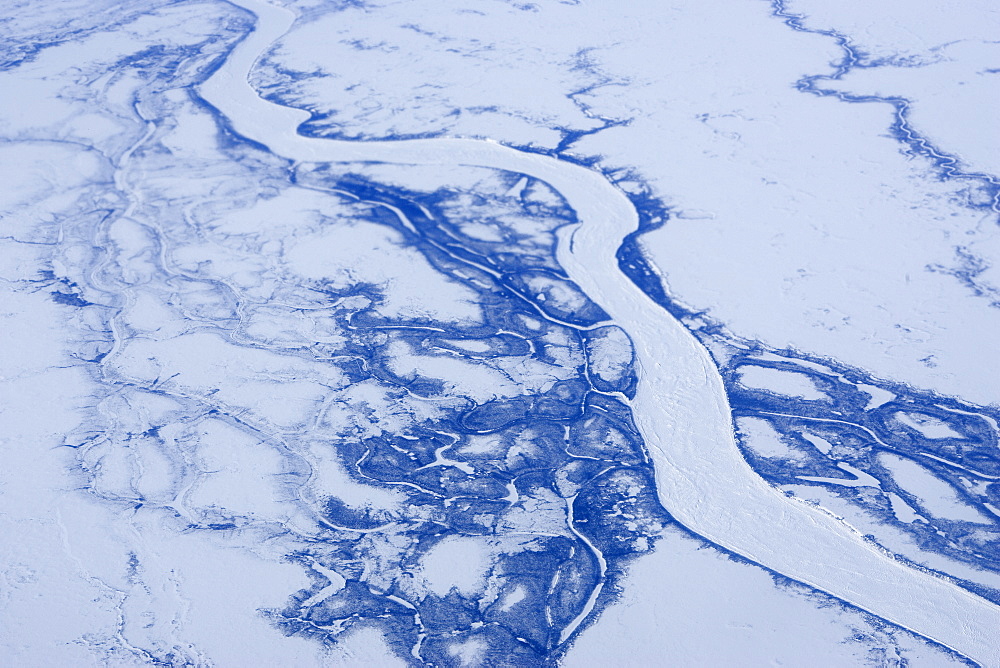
[450,334]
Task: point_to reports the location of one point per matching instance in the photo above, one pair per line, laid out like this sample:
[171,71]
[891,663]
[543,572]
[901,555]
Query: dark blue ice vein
[495,274]
[949,166]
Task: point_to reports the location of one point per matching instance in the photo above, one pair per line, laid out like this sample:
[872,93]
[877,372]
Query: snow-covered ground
[275,399]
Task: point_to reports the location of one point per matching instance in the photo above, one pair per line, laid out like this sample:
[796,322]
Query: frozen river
[680,406]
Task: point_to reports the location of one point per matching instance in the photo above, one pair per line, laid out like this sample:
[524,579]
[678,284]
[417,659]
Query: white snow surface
[798,222]
[779,381]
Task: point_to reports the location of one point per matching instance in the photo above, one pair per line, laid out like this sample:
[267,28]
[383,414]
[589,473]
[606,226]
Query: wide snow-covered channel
[680,406]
